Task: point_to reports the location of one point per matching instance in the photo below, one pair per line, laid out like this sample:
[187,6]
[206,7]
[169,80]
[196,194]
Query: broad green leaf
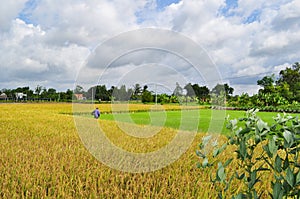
[216,152]
[261,125]
[257,139]
[288,137]
[237,132]
[221,172]
[206,139]
[245,131]
[253,179]
[205,163]
[290,177]
[298,178]
[233,122]
[262,168]
[240,196]
[278,163]
[286,163]
[255,196]
[198,153]
[277,193]
[266,149]
[272,147]
[243,149]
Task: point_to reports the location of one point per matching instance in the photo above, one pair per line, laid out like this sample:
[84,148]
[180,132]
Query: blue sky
[161,4]
[230,4]
[45,42]
[25,14]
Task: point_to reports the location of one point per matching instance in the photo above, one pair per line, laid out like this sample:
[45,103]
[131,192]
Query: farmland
[42,156]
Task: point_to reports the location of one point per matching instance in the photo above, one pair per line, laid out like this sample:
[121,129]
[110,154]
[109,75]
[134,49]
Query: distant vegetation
[281,94]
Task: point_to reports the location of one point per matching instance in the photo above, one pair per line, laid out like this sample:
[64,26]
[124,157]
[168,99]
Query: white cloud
[288,17]
[27,58]
[244,88]
[9,10]
[252,38]
[85,22]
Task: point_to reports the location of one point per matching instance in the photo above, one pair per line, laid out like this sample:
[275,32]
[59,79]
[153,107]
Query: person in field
[96,113]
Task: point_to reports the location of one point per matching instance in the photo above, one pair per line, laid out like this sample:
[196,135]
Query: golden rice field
[42,156]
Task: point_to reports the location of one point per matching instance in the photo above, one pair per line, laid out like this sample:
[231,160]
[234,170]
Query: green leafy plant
[260,149]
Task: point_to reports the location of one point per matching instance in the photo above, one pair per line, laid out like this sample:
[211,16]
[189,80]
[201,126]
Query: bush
[279,146]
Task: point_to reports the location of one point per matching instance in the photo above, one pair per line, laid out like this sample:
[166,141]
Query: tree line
[274,92]
[40,93]
[142,93]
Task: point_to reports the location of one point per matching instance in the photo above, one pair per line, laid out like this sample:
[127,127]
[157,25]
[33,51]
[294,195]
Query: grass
[42,156]
[172,119]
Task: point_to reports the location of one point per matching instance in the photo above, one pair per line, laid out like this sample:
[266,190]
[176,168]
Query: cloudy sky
[47,42]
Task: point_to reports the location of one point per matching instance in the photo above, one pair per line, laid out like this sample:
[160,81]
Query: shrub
[278,146]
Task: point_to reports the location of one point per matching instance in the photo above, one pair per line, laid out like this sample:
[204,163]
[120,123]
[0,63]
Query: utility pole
[155,94]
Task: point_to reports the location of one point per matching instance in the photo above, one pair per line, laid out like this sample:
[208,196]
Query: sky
[49,42]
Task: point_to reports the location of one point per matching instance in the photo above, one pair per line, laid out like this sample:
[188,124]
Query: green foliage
[163,99]
[267,83]
[221,89]
[147,97]
[201,92]
[218,99]
[281,92]
[260,148]
[291,77]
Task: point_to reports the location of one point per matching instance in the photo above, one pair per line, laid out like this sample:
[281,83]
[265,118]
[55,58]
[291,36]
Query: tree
[178,91]
[38,90]
[51,93]
[189,90]
[121,93]
[202,92]
[291,76]
[267,82]
[79,89]
[147,95]
[163,98]
[145,88]
[44,93]
[221,89]
[244,99]
[110,93]
[228,90]
[284,90]
[26,90]
[69,95]
[137,91]
[8,92]
[101,93]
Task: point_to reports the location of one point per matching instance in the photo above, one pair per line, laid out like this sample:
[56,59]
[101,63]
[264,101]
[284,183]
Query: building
[21,96]
[79,96]
[3,96]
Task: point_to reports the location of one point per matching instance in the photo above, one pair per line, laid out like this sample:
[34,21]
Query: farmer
[96,113]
